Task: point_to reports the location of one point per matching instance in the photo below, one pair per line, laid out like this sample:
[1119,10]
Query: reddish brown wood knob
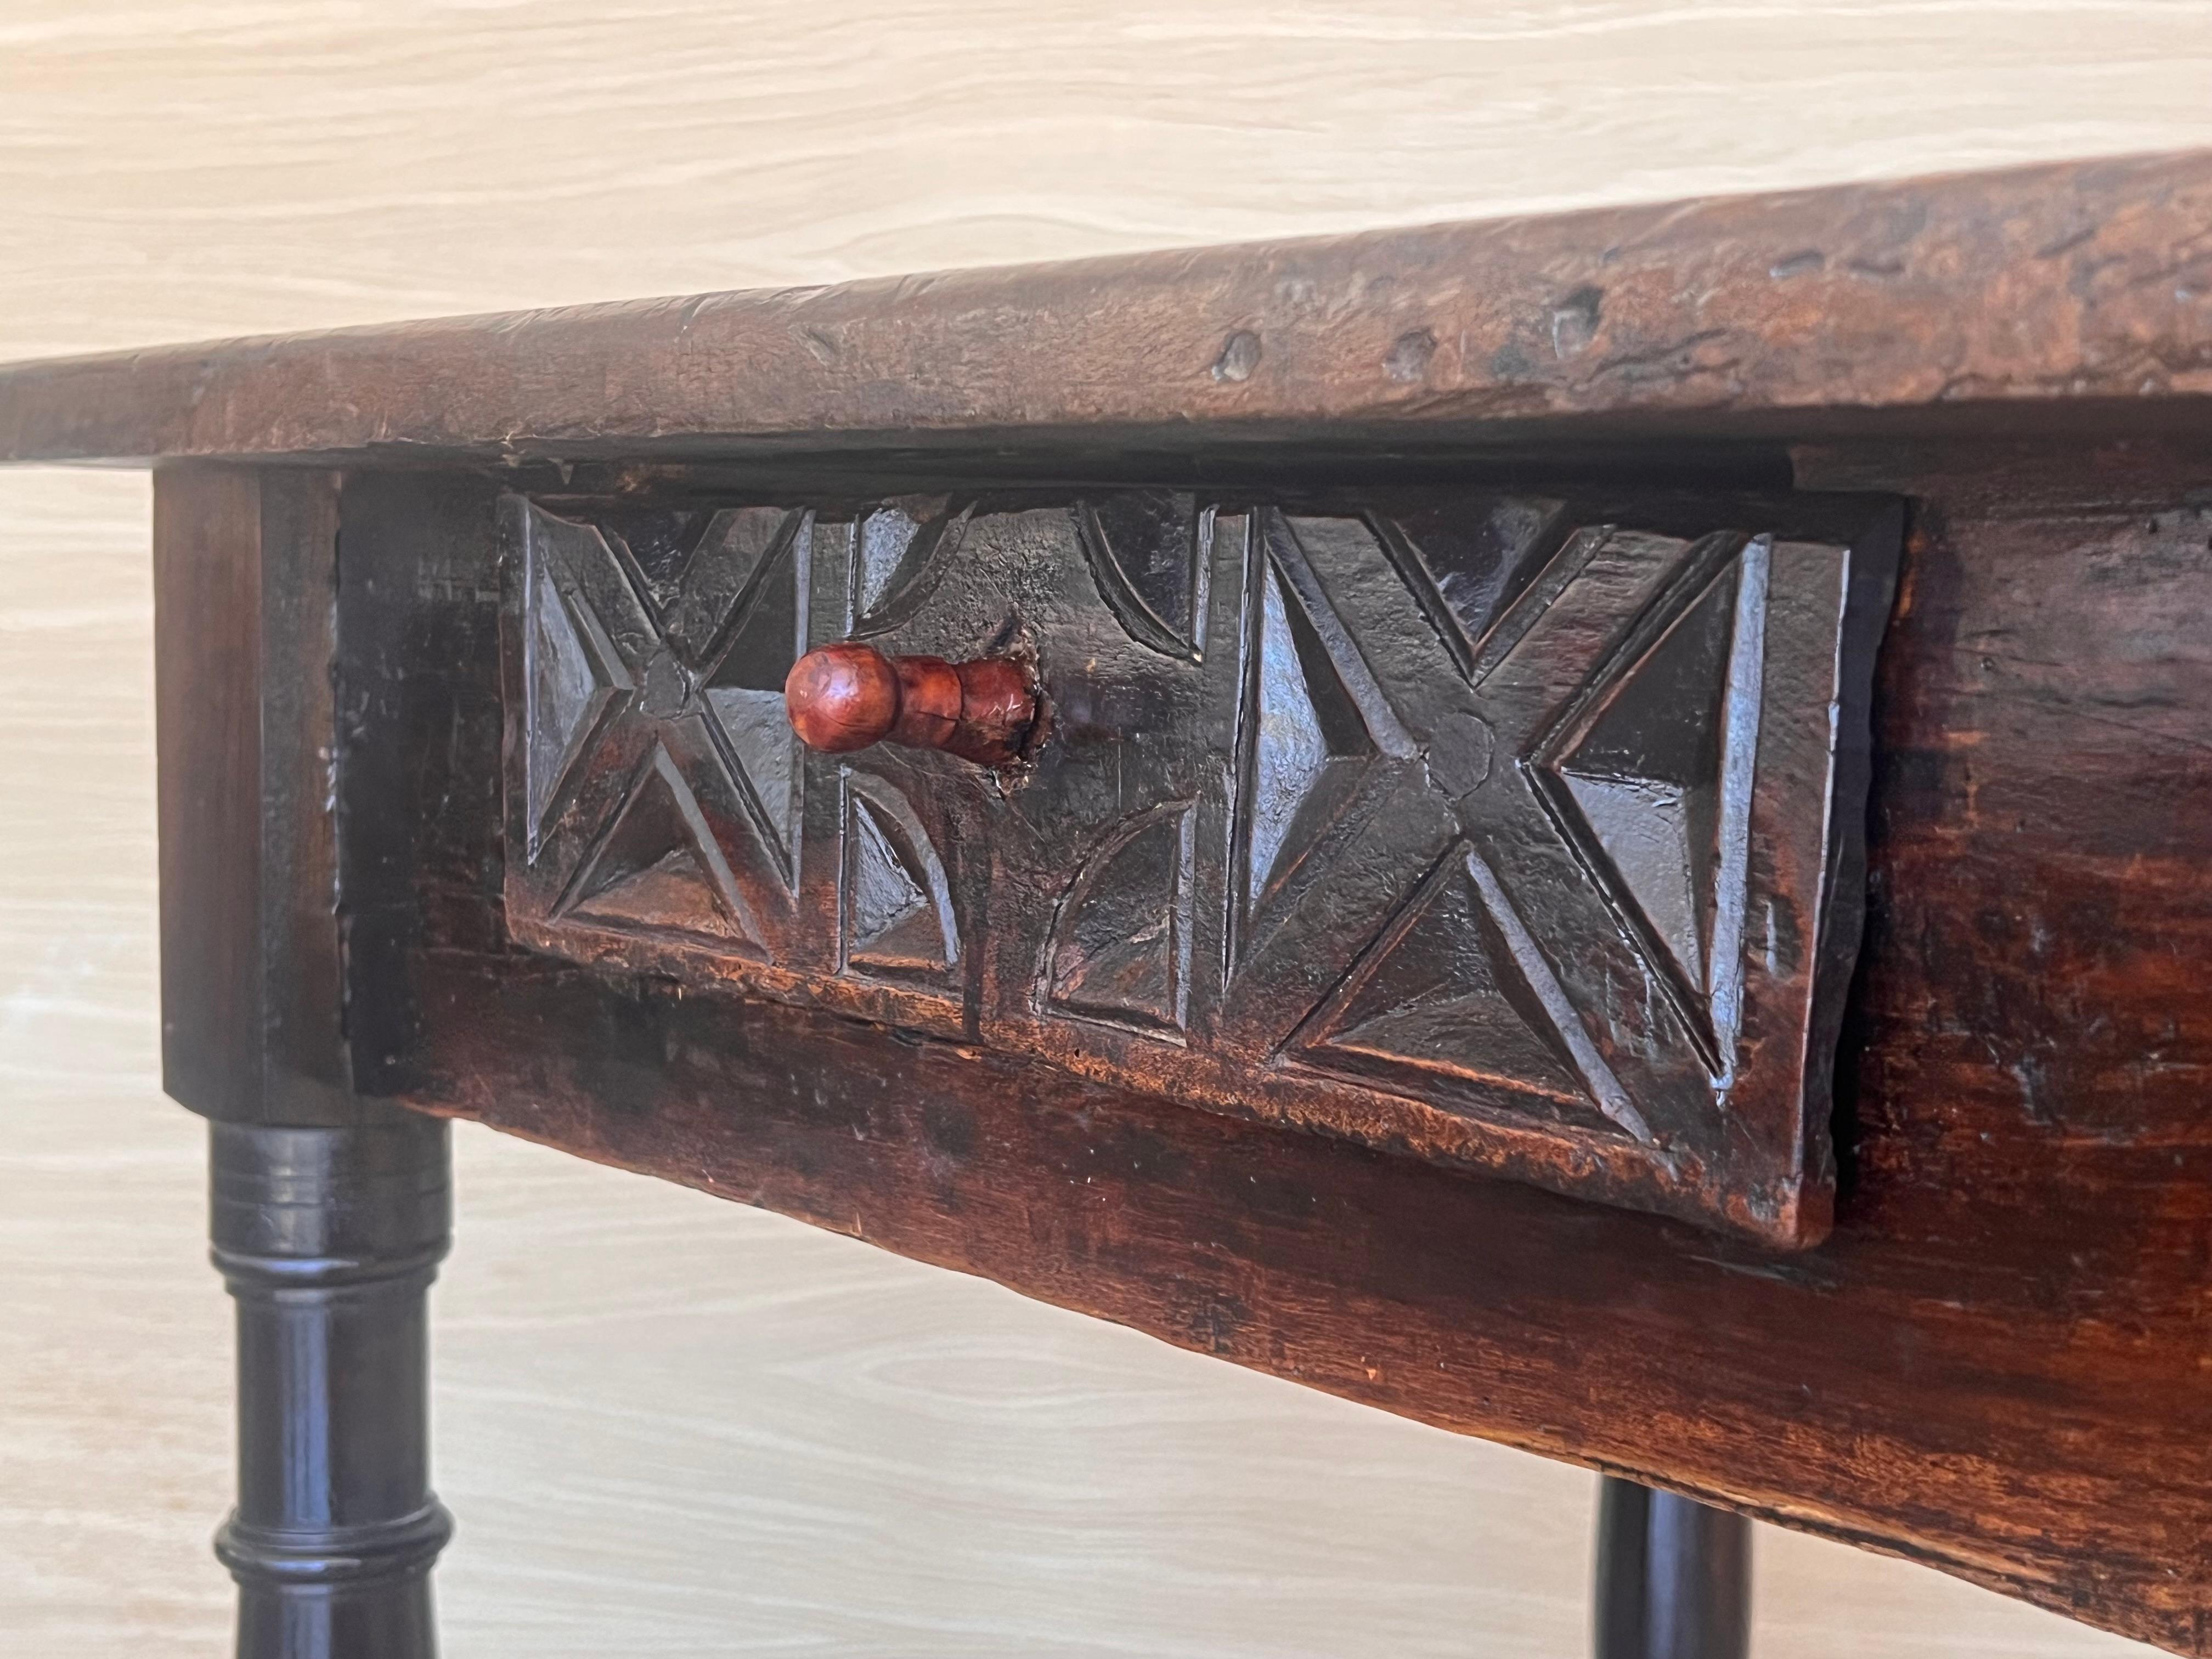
[847,696]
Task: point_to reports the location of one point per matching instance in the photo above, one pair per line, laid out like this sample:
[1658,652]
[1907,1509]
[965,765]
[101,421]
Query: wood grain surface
[1977,303]
[846,1452]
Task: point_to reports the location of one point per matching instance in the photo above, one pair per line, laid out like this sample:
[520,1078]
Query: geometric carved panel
[656,867]
[1121,944]
[1656,775]
[897,918]
[1453,994]
[1512,831]
[1309,756]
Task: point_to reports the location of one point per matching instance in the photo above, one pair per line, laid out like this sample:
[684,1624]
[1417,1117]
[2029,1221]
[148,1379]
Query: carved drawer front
[1495,829]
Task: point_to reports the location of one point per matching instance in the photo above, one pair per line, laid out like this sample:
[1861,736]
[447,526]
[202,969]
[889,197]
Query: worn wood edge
[251,946]
[1375,1119]
[2071,283]
[207,560]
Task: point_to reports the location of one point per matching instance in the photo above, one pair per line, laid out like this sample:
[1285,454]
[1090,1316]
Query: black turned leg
[328,1239]
[1673,1576]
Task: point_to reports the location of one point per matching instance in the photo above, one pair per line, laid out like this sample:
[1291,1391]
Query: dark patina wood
[1996,1360]
[1674,1577]
[1951,1375]
[329,1209]
[1516,830]
[328,1239]
[245,599]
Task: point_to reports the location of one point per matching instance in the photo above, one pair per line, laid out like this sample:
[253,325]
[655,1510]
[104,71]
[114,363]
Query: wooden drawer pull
[848,695]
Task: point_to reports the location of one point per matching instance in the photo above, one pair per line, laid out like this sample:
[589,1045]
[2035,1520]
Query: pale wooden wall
[670,1425]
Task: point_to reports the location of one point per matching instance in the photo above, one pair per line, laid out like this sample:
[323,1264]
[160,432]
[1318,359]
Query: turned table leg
[328,1240]
[1673,1576]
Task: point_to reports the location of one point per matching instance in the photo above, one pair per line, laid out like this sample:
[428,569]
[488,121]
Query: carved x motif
[1539,828]
[660,760]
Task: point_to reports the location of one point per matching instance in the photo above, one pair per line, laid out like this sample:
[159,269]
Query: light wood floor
[670,1426]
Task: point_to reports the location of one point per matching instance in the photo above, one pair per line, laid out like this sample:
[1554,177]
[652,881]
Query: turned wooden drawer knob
[847,696]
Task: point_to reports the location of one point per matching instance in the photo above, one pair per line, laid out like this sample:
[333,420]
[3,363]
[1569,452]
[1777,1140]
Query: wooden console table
[1595,830]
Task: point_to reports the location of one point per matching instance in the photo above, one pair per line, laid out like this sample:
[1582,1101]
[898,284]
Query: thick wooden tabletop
[1935,302]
